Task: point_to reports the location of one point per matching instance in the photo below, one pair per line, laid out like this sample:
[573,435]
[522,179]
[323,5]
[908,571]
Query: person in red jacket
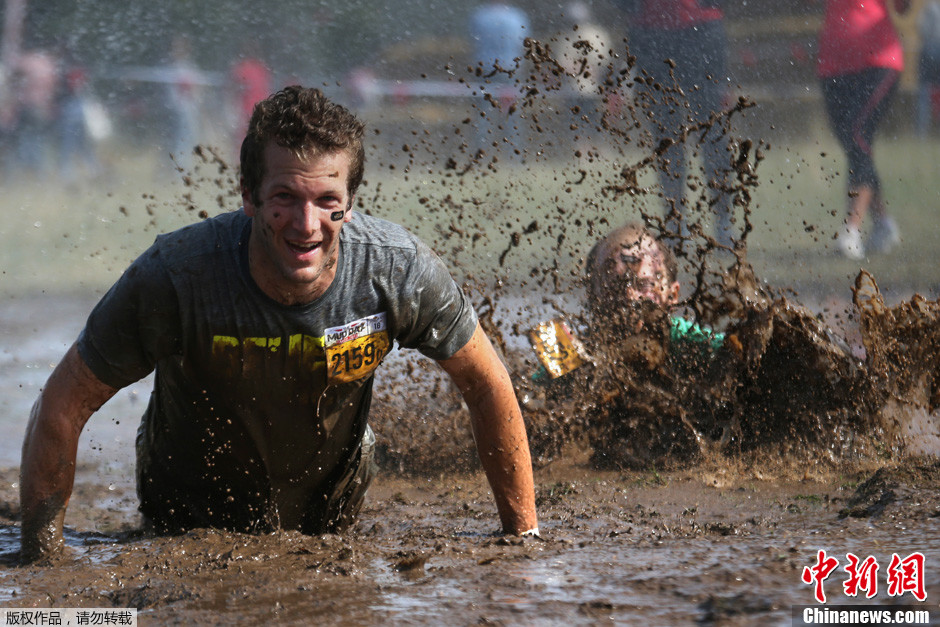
[860,62]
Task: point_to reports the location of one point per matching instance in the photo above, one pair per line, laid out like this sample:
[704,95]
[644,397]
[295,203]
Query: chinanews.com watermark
[68,617]
[903,580]
[861,615]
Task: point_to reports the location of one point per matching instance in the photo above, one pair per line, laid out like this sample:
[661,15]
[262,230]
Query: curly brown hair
[307,123]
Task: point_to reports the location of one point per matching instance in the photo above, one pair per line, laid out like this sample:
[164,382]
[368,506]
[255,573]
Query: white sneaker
[850,243]
[884,235]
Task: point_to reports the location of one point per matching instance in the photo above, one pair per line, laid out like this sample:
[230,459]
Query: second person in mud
[631,283]
[646,386]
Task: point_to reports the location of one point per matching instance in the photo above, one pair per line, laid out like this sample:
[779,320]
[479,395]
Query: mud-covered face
[303,204]
[635,271]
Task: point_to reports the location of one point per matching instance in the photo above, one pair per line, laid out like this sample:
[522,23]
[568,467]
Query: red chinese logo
[907,575]
[903,575]
[819,573]
[862,576]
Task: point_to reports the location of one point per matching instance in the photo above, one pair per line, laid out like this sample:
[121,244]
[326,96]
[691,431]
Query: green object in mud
[684,332]
[692,347]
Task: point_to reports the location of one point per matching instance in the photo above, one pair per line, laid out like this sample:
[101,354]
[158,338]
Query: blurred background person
[583,51]
[183,108]
[251,82]
[497,33]
[682,46]
[860,63]
[928,65]
[78,129]
[35,80]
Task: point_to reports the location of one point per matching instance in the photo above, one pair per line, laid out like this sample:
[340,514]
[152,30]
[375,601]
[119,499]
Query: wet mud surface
[668,492]
[717,545]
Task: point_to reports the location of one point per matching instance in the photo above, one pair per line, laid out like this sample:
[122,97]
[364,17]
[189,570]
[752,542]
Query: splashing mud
[784,380]
[670,488]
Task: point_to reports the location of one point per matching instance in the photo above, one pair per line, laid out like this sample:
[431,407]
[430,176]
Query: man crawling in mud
[646,386]
[630,354]
[632,286]
[265,326]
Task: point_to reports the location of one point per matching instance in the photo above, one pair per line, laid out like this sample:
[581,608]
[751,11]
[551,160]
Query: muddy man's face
[635,271]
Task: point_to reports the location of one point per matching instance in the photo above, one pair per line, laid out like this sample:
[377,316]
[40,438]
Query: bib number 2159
[355,349]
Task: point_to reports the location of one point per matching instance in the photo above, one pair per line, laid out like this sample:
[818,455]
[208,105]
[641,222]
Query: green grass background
[54,239]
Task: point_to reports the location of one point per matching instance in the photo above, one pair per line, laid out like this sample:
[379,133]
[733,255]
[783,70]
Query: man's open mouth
[302,248]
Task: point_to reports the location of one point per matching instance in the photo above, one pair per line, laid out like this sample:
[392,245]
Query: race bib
[355,349]
[556,347]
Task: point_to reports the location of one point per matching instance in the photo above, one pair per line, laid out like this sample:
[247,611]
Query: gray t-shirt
[258,406]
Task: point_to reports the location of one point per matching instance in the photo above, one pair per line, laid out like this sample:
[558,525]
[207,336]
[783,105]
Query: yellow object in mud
[558,350]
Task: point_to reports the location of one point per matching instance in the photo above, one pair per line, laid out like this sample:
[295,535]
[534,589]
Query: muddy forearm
[46,479]
[503,447]
[504,452]
[42,530]
[47,470]
[498,430]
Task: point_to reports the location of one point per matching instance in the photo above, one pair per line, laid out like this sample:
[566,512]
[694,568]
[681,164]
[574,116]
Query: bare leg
[878,210]
[885,234]
[860,199]
[850,238]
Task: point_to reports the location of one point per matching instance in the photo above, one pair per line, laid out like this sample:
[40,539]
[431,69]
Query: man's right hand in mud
[47,471]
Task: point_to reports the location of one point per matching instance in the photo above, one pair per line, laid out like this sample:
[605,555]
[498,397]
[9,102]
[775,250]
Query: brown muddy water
[717,544]
[717,486]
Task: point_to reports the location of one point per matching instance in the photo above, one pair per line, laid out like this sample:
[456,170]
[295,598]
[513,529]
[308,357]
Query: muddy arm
[498,430]
[72,394]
